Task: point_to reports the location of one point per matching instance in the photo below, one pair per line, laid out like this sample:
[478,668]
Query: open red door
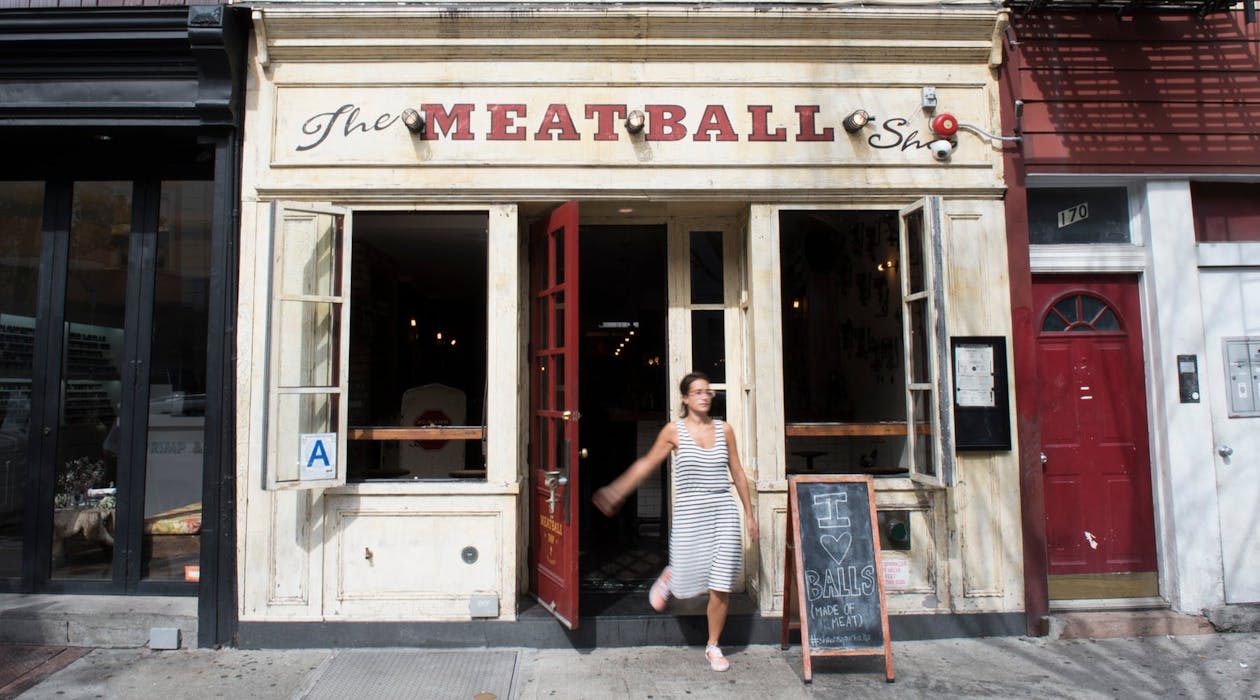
[553,451]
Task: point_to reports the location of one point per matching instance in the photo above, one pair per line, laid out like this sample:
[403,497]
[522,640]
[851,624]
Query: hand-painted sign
[536,125]
[833,565]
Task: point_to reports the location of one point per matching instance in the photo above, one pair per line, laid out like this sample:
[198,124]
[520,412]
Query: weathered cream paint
[964,558]
[303,554]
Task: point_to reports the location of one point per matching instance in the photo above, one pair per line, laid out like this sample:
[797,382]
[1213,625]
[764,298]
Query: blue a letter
[318,452]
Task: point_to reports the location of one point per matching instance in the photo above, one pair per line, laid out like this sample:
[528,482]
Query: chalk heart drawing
[837,547]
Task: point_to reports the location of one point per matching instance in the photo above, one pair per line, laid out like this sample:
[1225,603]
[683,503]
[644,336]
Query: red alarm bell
[944,125]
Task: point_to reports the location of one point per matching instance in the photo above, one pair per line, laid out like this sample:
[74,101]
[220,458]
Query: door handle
[1043,460]
[553,480]
[1225,451]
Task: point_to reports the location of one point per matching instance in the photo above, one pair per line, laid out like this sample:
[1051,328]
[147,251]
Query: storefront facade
[118,197]
[1133,240]
[480,248]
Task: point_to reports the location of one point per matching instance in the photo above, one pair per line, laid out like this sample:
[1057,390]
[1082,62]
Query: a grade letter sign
[318,455]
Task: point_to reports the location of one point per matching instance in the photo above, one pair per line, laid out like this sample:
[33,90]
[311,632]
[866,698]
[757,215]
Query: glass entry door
[105,378]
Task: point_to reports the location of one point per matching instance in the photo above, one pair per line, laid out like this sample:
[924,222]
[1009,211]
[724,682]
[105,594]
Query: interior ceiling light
[857,119]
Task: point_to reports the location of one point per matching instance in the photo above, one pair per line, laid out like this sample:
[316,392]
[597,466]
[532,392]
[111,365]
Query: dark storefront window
[417,343]
[844,394]
[125,267]
[91,381]
[177,382]
[21,205]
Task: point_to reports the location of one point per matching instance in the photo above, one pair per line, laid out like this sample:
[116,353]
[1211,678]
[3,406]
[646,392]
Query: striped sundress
[705,547]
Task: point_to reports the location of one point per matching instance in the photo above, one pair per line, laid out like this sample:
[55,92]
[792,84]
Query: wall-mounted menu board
[832,570]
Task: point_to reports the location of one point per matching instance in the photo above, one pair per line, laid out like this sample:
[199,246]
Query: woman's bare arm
[610,498]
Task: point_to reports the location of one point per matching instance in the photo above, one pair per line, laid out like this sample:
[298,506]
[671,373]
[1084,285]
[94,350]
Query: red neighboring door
[554,415]
[1099,516]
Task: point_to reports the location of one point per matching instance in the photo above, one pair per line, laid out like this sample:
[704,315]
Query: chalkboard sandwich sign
[832,570]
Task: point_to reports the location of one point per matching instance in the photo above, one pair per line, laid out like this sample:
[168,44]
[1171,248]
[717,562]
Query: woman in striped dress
[705,548]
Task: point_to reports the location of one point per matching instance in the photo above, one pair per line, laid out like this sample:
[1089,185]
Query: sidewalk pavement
[1199,666]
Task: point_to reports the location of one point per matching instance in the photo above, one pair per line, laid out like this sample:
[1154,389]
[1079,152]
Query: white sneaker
[717,661]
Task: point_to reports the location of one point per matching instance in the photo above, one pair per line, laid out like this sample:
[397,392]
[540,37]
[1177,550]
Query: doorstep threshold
[1108,604]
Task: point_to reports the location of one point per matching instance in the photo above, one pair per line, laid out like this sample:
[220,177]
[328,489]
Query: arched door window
[1080,313]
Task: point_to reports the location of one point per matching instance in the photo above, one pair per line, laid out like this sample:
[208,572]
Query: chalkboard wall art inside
[833,564]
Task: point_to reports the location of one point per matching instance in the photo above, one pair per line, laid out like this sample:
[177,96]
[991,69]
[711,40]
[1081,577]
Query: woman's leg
[719,603]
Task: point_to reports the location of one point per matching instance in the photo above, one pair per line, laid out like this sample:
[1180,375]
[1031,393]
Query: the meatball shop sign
[832,564]
[532,126]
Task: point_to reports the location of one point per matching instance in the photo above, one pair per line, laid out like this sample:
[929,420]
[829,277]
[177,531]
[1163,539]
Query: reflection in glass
[706,267]
[88,439]
[309,329]
[21,205]
[309,246]
[915,275]
[177,383]
[297,415]
[708,344]
[918,341]
[921,423]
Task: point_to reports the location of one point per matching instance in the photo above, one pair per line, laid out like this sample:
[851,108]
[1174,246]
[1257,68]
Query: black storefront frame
[73,74]
[46,382]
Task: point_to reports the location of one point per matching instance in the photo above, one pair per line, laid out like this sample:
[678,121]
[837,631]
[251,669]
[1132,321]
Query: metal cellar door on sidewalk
[553,450]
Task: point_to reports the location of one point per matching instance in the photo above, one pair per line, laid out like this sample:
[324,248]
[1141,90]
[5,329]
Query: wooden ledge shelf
[876,429]
[433,432]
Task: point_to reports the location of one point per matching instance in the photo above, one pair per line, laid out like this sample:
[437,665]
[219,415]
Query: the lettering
[760,115]
[605,117]
[665,122]
[503,123]
[806,114]
[455,124]
[557,119]
[322,124]
[551,524]
[897,138]
[831,509]
[839,582]
[715,119]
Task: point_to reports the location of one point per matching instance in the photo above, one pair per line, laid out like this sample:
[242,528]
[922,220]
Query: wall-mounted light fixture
[635,122]
[413,120]
[857,119]
[889,264]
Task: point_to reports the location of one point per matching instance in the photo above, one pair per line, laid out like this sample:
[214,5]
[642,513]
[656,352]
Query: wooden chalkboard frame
[794,578]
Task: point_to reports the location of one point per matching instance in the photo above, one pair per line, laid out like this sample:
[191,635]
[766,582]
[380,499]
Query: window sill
[428,487]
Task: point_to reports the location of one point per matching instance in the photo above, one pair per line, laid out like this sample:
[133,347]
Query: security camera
[941,149]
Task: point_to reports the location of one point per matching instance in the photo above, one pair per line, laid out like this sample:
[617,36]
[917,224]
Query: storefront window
[89,439]
[177,384]
[21,206]
[844,377]
[418,346]
[861,341]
